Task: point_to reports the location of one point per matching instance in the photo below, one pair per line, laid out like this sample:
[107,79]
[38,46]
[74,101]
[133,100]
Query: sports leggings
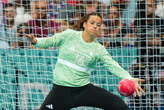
[65,98]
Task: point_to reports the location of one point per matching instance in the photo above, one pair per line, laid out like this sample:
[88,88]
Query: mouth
[94,32]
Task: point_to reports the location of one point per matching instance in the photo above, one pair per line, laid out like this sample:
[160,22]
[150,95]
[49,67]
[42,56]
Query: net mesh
[132,32]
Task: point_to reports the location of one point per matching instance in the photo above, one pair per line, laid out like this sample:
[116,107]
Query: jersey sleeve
[112,65]
[54,41]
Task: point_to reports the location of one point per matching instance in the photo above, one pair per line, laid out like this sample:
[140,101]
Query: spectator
[127,8]
[129,13]
[79,11]
[22,42]
[63,26]
[129,39]
[73,2]
[106,2]
[121,4]
[150,30]
[160,9]
[60,10]
[94,6]
[64,12]
[1,12]
[116,29]
[22,11]
[91,6]
[8,28]
[4,1]
[41,25]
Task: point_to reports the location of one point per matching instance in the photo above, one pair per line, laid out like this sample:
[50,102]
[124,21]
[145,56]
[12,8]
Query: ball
[126,87]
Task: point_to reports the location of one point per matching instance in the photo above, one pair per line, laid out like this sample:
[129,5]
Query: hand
[31,37]
[138,88]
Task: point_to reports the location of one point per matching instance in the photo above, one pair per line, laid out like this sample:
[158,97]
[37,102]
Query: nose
[95,26]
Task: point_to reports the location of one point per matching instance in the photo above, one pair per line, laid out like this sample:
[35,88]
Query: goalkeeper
[78,53]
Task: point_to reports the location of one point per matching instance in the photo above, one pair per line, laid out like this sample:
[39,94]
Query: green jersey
[78,58]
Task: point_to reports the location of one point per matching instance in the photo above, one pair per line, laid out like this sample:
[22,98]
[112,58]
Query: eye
[92,22]
[98,25]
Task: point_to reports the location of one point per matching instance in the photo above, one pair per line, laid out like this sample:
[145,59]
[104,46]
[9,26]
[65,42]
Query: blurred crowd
[126,24]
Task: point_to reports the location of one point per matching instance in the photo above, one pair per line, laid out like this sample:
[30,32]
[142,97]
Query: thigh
[57,99]
[98,97]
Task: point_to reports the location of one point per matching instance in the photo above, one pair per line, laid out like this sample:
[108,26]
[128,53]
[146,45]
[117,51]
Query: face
[9,13]
[41,8]
[93,25]
[113,14]
[89,2]
[150,7]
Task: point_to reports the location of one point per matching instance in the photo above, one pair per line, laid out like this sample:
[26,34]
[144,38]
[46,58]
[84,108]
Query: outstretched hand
[138,89]
[31,37]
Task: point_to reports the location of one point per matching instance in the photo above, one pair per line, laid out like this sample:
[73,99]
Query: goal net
[132,32]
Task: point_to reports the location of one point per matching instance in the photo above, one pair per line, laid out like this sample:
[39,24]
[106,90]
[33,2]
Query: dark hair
[113,5]
[6,5]
[80,9]
[79,25]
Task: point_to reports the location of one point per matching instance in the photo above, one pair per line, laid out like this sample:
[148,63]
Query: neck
[87,37]
[9,24]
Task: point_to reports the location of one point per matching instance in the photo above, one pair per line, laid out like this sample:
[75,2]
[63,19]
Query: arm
[115,69]
[54,41]
[113,66]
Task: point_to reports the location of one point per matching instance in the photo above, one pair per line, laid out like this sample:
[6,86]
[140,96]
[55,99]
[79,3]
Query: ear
[84,25]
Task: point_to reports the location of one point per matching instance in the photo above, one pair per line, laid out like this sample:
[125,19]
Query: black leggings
[65,98]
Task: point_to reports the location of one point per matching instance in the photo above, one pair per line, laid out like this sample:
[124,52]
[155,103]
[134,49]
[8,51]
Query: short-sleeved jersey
[78,58]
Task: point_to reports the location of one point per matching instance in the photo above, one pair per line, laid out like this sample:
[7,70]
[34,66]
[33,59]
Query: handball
[126,87]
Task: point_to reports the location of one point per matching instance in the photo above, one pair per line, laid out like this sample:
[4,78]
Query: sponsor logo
[50,106]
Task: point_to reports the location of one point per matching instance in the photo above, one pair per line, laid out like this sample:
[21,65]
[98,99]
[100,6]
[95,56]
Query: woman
[78,53]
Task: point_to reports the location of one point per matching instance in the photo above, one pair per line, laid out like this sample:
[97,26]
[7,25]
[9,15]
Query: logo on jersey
[50,106]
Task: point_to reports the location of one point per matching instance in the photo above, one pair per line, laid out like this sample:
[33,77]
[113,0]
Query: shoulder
[99,47]
[100,51]
[71,32]
[52,23]
[32,22]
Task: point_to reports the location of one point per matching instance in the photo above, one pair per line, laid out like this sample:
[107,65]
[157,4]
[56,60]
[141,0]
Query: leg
[99,97]
[57,99]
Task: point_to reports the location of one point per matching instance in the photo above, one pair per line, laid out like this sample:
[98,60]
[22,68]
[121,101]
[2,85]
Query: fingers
[31,36]
[141,80]
[138,89]
[134,94]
